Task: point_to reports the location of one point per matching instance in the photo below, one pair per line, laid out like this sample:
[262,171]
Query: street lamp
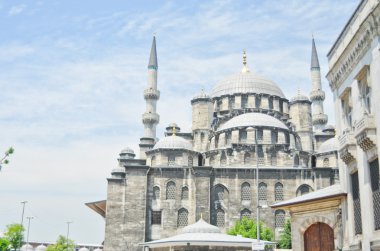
[23,209]
[27,235]
[67,235]
[251,129]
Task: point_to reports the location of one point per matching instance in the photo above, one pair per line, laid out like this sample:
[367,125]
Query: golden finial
[245,67]
[174,130]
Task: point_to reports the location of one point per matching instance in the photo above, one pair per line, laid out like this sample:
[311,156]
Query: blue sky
[72,74]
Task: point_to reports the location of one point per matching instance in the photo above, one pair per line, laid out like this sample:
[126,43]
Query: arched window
[185,193]
[170,190]
[260,135]
[219,193]
[279,218]
[278,192]
[304,189]
[326,162]
[296,160]
[247,159]
[220,215]
[171,160]
[245,213]
[243,136]
[190,160]
[153,161]
[246,191]
[262,193]
[156,193]
[223,159]
[183,216]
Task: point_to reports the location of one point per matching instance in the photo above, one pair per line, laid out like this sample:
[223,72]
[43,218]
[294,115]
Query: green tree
[15,235]
[248,228]
[5,160]
[286,236]
[62,244]
[4,244]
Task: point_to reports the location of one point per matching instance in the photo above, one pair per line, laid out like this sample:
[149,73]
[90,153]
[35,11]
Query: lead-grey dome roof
[246,82]
[329,145]
[201,227]
[41,248]
[173,142]
[253,119]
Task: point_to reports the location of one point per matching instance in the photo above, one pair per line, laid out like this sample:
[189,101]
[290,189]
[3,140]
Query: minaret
[150,118]
[317,95]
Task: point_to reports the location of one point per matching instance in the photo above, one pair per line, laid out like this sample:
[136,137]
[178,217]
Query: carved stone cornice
[365,132]
[347,147]
[353,53]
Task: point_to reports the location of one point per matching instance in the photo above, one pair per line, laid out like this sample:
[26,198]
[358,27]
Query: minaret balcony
[151,93]
[150,118]
[347,147]
[317,95]
[365,132]
[319,119]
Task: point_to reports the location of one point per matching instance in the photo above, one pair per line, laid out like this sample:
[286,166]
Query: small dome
[127,150]
[246,82]
[201,227]
[253,119]
[173,142]
[300,97]
[41,248]
[97,249]
[329,128]
[329,145]
[201,95]
[83,249]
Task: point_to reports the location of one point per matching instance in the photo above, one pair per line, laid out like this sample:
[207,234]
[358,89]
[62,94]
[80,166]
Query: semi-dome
[329,145]
[201,227]
[253,119]
[41,248]
[173,142]
[246,82]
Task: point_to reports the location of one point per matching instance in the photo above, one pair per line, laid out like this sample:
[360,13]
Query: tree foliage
[248,228]
[4,244]
[62,244]
[286,237]
[4,159]
[15,235]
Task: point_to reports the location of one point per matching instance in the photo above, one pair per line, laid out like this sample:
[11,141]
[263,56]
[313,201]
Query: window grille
[156,193]
[153,161]
[220,218]
[247,159]
[183,216]
[170,191]
[243,136]
[246,191]
[278,192]
[259,135]
[262,194]
[261,159]
[326,162]
[219,193]
[245,213]
[279,218]
[374,170]
[356,201]
[190,160]
[185,193]
[171,160]
[223,159]
[156,218]
[303,189]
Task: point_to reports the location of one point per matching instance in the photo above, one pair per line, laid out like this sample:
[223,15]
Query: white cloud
[16,9]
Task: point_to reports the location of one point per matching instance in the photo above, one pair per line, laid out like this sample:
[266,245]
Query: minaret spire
[317,95]
[150,118]
[245,67]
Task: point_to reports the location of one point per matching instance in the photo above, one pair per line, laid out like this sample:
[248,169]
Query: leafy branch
[5,159]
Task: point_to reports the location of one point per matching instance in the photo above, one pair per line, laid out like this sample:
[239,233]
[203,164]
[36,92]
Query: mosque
[245,124]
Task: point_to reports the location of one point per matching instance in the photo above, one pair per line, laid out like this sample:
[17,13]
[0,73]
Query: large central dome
[246,82]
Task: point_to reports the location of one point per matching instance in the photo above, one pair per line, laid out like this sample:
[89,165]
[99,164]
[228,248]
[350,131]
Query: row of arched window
[171,191]
[246,192]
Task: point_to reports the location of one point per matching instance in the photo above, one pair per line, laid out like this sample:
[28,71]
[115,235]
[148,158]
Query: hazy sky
[72,75]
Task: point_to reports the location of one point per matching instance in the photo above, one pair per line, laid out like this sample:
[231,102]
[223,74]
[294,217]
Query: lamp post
[27,235]
[257,186]
[67,235]
[22,214]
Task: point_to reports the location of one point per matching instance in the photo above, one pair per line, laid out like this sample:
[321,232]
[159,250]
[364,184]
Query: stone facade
[245,124]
